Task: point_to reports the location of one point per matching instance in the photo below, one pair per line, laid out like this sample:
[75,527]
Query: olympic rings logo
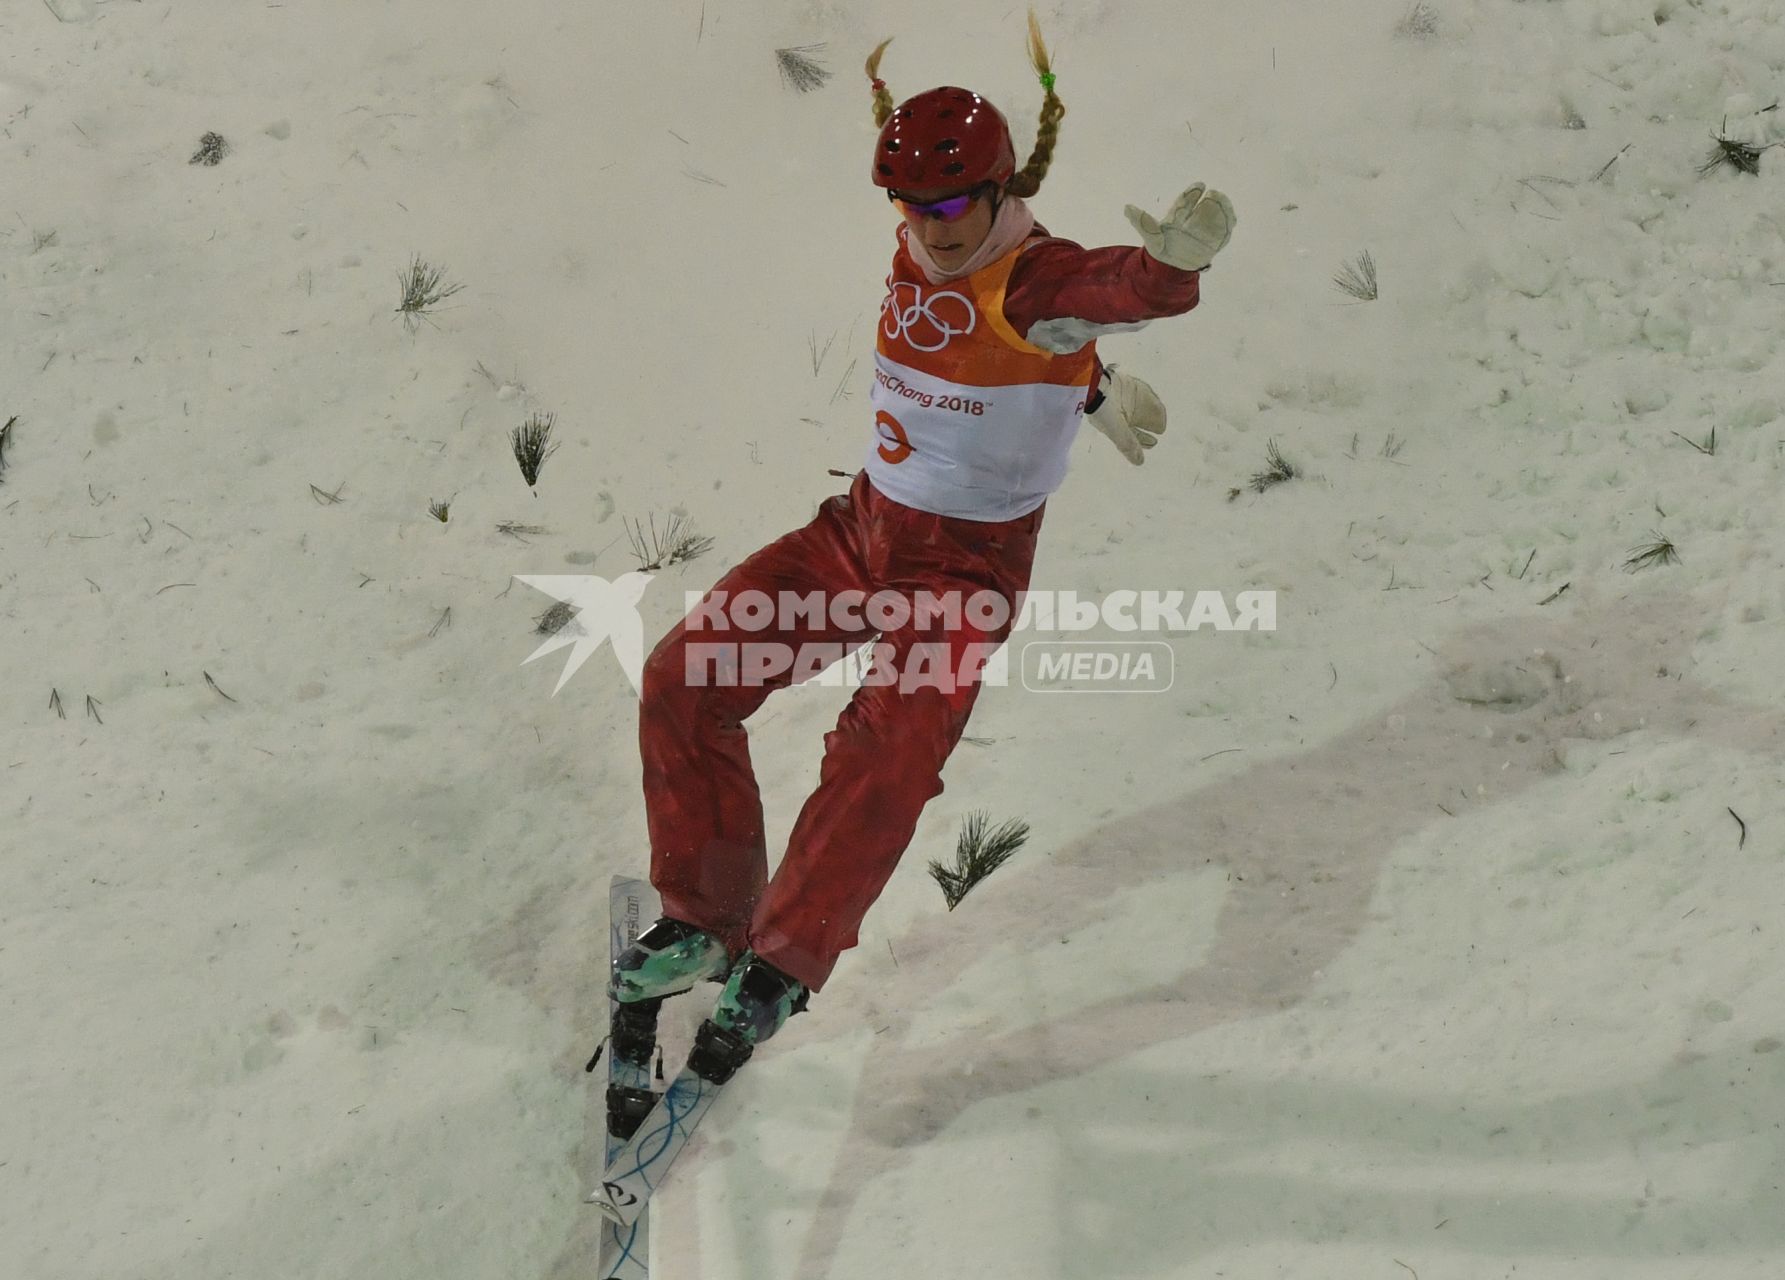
[944,315]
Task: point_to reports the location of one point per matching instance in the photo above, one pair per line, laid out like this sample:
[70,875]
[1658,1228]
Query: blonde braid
[883,103]
[1047,133]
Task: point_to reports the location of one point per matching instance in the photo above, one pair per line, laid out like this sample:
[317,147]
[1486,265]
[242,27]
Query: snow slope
[1418,935]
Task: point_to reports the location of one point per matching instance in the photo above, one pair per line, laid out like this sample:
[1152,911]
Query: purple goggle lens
[942,210]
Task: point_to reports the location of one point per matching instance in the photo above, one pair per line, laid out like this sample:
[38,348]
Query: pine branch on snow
[1419,22]
[556,618]
[1660,551]
[424,287]
[798,69]
[675,543]
[532,445]
[1278,470]
[977,854]
[1744,157]
[1359,279]
[211,149]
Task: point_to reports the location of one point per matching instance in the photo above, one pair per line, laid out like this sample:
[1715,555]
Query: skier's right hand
[1131,415]
[1193,230]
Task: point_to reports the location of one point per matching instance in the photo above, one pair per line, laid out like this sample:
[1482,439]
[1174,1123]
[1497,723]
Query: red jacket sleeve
[1062,295]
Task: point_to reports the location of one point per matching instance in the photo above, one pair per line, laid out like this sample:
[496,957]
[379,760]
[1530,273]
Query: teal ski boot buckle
[666,960]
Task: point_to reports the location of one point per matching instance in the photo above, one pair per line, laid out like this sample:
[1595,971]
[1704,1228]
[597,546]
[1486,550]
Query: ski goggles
[949,210]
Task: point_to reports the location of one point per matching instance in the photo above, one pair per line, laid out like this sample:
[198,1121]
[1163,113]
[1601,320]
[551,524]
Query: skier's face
[949,242]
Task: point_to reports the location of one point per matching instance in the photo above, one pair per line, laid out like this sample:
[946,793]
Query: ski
[624,1252]
[641,1165]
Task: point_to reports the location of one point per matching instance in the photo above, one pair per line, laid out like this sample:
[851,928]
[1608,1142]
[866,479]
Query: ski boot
[758,998]
[632,1039]
[667,959]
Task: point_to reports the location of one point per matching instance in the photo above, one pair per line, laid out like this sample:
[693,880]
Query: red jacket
[1113,288]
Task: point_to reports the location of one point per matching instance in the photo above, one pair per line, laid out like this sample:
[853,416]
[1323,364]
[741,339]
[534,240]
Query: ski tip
[608,1210]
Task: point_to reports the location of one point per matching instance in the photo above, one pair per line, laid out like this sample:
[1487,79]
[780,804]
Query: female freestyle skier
[985,362]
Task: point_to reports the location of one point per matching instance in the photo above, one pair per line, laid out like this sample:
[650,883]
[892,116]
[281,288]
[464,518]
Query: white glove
[1132,415]
[1192,231]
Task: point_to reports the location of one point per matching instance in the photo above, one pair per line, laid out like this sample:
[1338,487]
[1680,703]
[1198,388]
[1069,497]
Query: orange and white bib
[970,420]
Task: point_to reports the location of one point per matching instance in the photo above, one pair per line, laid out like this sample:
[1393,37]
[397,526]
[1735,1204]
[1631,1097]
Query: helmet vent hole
[952,169]
[947,113]
[892,144]
[948,145]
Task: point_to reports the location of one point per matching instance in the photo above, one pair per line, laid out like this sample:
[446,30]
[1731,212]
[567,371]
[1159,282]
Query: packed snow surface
[1435,931]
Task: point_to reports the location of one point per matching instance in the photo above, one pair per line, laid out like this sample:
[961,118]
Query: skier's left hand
[1193,230]
[1132,415]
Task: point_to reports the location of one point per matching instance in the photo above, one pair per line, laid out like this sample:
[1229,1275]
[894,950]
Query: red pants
[883,761]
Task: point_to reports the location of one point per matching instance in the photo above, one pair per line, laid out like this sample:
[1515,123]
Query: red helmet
[943,138]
